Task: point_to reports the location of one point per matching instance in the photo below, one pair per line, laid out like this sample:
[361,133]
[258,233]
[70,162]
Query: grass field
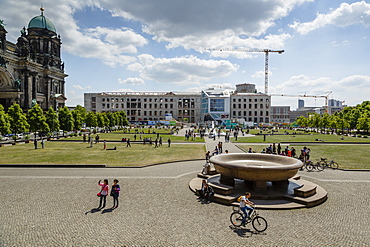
[81,153]
[354,156]
[347,156]
[299,138]
[119,135]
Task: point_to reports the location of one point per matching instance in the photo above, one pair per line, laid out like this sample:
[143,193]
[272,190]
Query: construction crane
[266,51]
[312,96]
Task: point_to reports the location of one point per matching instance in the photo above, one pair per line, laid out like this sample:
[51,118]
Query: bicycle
[331,164]
[258,222]
[310,166]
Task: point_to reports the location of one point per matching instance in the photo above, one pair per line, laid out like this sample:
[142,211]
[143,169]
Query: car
[4,138]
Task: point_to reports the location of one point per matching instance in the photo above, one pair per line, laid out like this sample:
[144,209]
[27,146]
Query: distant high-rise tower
[300,103]
[336,103]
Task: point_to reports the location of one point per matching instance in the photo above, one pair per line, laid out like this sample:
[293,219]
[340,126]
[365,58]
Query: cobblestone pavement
[55,207]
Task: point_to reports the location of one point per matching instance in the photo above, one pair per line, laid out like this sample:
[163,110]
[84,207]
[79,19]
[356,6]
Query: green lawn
[299,138]
[81,153]
[347,156]
[119,135]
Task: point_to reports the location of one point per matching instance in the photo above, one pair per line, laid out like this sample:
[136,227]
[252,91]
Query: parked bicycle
[258,222]
[331,164]
[310,166]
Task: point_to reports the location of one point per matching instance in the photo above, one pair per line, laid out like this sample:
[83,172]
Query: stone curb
[55,165]
[87,165]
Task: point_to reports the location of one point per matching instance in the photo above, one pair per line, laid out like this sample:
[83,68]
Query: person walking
[103,193]
[169,142]
[115,193]
[105,144]
[42,143]
[128,143]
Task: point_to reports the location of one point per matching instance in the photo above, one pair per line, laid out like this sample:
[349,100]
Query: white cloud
[123,90]
[181,70]
[108,44]
[358,85]
[343,43]
[211,85]
[74,99]
[192,25]
[261,74]
[80,87]
[132,81]
[201,24]
[345,15]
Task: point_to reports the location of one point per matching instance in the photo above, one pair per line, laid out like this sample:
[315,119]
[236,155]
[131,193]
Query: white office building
[215,104]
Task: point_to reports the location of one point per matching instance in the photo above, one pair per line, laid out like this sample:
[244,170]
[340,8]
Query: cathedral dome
[42,22]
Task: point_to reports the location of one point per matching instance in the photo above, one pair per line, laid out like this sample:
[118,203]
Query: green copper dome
[41,22]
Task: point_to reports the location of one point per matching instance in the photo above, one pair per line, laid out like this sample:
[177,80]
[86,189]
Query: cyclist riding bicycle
[246,205]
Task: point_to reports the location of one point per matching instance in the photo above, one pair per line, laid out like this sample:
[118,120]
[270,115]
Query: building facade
[280,115]
[31,71]
[147,106]
[214,104]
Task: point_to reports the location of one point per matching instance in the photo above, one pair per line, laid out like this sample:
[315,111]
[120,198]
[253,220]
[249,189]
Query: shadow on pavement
[242,232]
[95,210]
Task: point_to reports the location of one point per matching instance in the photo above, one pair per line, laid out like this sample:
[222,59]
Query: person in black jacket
[115,193]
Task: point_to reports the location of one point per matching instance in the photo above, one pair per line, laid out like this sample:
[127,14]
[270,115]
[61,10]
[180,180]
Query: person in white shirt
[246,205]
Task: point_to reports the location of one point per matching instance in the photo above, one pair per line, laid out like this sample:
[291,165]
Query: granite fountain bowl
[256,167]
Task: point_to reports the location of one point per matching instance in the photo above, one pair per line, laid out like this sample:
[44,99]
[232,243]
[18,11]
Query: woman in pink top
[103,193]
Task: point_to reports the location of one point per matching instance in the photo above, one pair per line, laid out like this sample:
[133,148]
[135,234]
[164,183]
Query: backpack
[239,198]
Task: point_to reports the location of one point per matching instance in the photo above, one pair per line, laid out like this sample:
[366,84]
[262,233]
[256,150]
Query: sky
[161,46]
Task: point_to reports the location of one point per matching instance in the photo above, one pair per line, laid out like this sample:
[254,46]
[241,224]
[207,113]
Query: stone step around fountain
[312,195]
[306,190]
[222,189]
[319,197]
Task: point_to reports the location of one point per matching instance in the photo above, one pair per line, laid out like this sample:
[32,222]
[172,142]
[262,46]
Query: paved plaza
[55,207]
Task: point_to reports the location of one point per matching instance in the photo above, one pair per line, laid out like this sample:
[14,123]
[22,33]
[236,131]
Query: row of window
[145,100]
[249,100]
[138,105]
[250,113]
[244,106]
[159,113]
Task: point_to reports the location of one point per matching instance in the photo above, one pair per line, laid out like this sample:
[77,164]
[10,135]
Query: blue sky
[160,45]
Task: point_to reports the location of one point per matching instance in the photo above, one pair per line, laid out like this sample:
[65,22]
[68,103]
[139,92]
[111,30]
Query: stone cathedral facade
[31,70]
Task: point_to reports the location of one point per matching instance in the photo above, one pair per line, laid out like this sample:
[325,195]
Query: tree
[364,123]
[37,119]
[112,119]
[79,116]
[65,119]
[52,119]
[123,118]
[100,119]
[325,121]
[302,121]
[91,119]
[18,120]
[4,121]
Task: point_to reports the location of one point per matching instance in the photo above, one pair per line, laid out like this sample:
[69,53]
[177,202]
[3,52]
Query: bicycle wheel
[319,166]
[236,219]
[334,165]
[259,224]
[309,167]
[323,164]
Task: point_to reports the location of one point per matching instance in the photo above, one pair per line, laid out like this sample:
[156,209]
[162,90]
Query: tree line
[348,120]
[15,121]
